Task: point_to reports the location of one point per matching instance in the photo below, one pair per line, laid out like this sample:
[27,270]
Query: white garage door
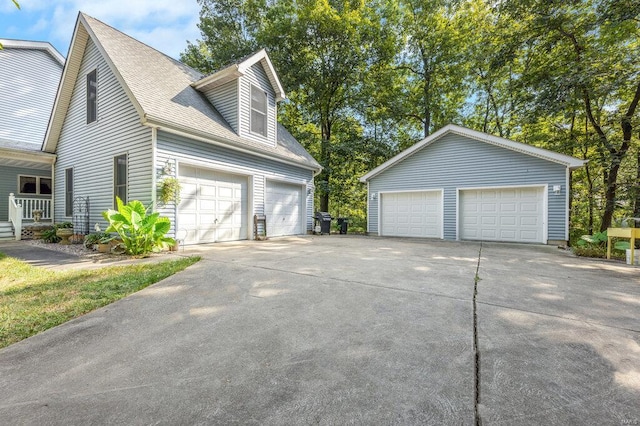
[511,214]
[412,214]
[284,209]
[213,206]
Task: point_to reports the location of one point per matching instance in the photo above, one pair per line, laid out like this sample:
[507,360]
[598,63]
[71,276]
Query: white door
[213,206]
[284,208]
[412,214]
[507,214]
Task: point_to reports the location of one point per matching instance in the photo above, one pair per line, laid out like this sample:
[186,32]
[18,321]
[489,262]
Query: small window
[68,192]
[92,97]
[34,185]
[258,111]
[120,178]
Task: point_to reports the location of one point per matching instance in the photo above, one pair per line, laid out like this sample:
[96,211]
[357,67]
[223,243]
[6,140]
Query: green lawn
[35,299]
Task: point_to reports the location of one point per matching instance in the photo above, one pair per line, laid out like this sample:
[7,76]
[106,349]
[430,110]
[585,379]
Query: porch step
[6,230]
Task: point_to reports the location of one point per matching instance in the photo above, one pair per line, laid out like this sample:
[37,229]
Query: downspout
[154,174]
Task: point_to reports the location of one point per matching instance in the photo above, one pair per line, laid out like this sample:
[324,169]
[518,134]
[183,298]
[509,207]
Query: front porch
[25,216]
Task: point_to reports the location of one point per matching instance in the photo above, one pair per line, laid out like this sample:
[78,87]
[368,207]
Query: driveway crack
[476,351]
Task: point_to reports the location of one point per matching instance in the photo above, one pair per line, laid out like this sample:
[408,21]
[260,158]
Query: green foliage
[170,190]
[49,235]
[141,232]
[97,238]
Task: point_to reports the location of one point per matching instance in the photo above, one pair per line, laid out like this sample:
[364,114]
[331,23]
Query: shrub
[141,232]
[49,235]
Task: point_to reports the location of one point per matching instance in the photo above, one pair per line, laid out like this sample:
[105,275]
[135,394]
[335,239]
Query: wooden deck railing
[15,216]
[29,205]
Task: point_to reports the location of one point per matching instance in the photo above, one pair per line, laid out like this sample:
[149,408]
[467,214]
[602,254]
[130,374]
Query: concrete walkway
[346,330]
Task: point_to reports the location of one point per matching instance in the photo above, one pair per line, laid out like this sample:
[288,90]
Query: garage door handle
[215,221]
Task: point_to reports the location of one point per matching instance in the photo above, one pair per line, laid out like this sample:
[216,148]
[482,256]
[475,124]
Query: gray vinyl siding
[454,162]
[256,75]
[174,149]
[9,184]
[28,83]
[90,148]
[225,99]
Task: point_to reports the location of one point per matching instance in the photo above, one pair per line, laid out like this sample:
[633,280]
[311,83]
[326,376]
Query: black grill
[323,221]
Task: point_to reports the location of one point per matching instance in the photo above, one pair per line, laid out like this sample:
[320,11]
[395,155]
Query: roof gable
[33,45]
[238,69]
[161,90]
[554,157]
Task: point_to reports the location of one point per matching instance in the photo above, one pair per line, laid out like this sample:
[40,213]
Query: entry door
[412,214]
[213,206]
[284,207]
[508,214]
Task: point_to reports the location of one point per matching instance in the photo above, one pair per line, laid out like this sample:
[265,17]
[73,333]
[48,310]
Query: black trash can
[323,220]
[343,223]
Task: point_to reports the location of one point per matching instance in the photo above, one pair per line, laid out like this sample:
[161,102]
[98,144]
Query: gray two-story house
[29,75]
[127,117]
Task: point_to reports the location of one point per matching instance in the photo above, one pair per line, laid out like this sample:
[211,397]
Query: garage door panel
[516,214]
[213,206]
[284,208]
[412,214]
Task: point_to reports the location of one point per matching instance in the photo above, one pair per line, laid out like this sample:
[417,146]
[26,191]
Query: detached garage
[461,184]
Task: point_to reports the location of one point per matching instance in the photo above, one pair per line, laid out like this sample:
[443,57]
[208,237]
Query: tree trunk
[325,159]
[636,188]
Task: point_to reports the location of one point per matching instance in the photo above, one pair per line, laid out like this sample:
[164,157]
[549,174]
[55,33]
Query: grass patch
[597,252]
[35,299]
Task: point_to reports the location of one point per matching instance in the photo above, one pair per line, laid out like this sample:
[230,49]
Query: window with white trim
[92,96]
[34,185]
[120,178]
[68,192]
[258,111]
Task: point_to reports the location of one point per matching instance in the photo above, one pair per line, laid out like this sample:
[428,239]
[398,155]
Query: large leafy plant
[141,232]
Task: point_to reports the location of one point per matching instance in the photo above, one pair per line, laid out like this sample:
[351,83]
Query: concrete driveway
[346,330]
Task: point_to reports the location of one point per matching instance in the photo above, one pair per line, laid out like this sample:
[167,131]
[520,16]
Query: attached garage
[513,214]
[284,208]
[411,214]
[213,206]
[485,188]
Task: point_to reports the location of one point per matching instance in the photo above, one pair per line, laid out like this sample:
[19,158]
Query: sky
[165,25]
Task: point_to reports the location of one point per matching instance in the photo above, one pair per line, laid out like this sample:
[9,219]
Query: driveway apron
[335,330]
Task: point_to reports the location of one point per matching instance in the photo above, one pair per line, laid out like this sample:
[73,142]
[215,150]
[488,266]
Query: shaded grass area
[35,299]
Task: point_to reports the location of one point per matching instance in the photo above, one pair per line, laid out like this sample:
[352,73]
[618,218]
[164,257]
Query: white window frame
[37,178]
[68,200]
[115,179]
[265,113]
[92,103]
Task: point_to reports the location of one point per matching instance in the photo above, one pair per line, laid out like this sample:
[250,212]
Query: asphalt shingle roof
[162,87]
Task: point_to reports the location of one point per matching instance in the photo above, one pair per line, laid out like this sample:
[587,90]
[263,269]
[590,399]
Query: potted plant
[64,230]
[104,243]
[170,190]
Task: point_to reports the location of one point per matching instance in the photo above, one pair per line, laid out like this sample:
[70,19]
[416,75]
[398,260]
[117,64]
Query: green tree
[584,52]
[432,62]
[228,29]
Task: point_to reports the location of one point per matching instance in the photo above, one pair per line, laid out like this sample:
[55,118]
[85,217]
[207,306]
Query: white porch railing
[15,216]
[31,204]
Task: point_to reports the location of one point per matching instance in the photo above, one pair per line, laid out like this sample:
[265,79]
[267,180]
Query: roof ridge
[177,62]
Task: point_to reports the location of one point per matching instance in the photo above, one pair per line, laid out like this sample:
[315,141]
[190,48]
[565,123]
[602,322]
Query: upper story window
[258,111]
[92,96]
[34,185]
